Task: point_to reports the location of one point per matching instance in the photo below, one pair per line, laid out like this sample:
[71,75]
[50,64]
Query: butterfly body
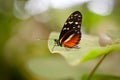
[70,34]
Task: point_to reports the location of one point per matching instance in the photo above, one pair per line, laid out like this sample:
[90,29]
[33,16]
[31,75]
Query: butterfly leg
[53,47]
[76,47]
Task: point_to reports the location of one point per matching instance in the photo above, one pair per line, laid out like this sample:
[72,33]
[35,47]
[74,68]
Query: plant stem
[95,68]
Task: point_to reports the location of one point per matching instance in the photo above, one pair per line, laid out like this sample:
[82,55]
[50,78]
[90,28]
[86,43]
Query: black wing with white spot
[71,27]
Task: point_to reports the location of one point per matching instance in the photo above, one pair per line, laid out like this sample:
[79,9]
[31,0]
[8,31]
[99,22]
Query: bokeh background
[25,26]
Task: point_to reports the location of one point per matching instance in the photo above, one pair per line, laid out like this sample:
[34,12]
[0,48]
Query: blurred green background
[25,26]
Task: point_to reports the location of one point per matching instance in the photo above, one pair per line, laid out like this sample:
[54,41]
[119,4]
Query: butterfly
[70,35]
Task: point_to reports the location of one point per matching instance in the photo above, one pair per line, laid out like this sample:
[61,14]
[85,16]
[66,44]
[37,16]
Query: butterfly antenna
[53,47]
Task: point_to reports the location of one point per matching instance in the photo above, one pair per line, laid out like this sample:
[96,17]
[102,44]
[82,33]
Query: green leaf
[89,49]
[102,77]
[52,68]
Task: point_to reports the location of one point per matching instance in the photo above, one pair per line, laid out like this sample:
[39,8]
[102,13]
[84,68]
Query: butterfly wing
[70,34]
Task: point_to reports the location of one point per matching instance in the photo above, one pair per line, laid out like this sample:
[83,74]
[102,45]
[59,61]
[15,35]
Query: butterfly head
[57,43]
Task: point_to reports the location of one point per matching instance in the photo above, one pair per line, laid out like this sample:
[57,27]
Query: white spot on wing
[76,15]
[75,30]
[67,28]
[70,22]
[65,23]
[71,17]
[76,22]
[79,16]
[64,29]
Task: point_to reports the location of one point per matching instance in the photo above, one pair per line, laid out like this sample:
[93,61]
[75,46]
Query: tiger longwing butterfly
[70,34]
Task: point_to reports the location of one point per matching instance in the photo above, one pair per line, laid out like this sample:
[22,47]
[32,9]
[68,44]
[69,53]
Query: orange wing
[72,42]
